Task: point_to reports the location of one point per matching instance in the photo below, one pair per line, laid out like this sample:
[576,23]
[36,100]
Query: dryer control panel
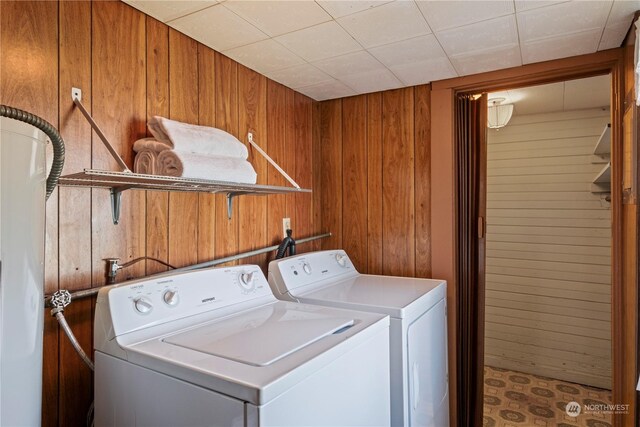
[306,269]
[143,303]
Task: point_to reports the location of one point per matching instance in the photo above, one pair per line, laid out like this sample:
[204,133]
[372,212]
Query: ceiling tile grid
[333,48]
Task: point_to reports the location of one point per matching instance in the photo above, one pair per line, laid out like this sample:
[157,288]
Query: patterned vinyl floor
[515,399]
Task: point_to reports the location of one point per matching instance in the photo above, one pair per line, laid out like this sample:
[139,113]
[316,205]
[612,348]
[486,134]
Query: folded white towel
[150,144]
[146,162]
[189,165]
[187,138]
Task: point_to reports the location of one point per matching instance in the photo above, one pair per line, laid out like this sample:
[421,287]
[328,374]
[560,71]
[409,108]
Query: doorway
[547,279]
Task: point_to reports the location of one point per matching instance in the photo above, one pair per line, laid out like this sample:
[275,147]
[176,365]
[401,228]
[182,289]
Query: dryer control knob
[171,298]
[142,305]
[341,259]
[306,267]
[246,281]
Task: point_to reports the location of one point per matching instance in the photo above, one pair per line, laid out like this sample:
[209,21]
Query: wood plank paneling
[330,165]
[118,60]
[423,179]
[374,183]
[563,280]
[276,137]
[206,117]
[183,106]
[226,86]
[354,180]
[398,198]
[157,221]
[75,207]
[252,109]
[303,145]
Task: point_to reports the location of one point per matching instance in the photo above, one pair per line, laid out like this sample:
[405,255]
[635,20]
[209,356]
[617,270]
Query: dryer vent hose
[51,132]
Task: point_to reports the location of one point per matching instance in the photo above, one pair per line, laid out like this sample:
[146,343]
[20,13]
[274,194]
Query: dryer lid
[262,336]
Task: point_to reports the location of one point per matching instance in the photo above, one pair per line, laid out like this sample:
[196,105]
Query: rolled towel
[146,162]
[187,138]
[216,168]
[151,144]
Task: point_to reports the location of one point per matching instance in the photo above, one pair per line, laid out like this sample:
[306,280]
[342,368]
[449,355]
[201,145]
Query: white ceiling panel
[385,24]
[334,48]
[417,73]
[442,15]
[327,90]
[372,81]
[480,36]
[563,18]
[300,76]
[587,93]
[218,28]
[409,51]
[320,41]
[486,60]
[351,63]
[522,5]
[279,17]
[166,10]
[338,9]
[264,56]
[560,47]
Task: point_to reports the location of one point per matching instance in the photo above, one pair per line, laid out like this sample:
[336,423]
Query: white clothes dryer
[216,348]
[418,333]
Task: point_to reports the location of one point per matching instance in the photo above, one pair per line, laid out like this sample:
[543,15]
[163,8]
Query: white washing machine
[216,348]
[418,333]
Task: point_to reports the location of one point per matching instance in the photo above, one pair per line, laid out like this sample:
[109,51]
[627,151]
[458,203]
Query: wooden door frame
[444,122]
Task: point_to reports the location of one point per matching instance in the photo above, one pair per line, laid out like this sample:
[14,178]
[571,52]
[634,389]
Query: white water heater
[22,243]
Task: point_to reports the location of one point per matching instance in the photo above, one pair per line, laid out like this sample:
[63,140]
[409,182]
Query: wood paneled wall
[131,67]
[374,172]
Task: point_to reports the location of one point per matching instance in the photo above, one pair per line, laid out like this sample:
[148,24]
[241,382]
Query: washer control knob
[142,305]
[171,298]
[246,281]
[306,267]
[341,259]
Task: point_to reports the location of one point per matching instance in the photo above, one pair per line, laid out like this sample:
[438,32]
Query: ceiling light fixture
[498,114]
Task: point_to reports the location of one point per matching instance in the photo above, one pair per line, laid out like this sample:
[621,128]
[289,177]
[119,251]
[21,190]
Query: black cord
[166,264]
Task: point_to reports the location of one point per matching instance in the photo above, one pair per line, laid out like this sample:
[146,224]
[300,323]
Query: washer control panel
[146,302]
[305,269]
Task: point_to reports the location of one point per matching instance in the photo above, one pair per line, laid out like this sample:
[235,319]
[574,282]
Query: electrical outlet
[286,225]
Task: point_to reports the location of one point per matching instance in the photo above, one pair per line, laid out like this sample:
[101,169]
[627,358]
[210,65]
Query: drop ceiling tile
[618,23]
[563,18]
[264,56]
[320,41]
[487,60]
[327,90]
[560,47]
[167,10]
[424,71]
[480,36]
[300,76]
[218,28]
[593,92]
[339,8]
[385,24]
[442,15]
[408,51]
[522,5]
[613,35]
[351,63]
[372,81]
[279,17]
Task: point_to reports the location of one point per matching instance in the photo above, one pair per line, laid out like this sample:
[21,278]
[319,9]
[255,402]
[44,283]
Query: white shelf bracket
[270,160]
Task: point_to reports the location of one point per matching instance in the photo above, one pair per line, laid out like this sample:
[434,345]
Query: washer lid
[262,336]
[396,296]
